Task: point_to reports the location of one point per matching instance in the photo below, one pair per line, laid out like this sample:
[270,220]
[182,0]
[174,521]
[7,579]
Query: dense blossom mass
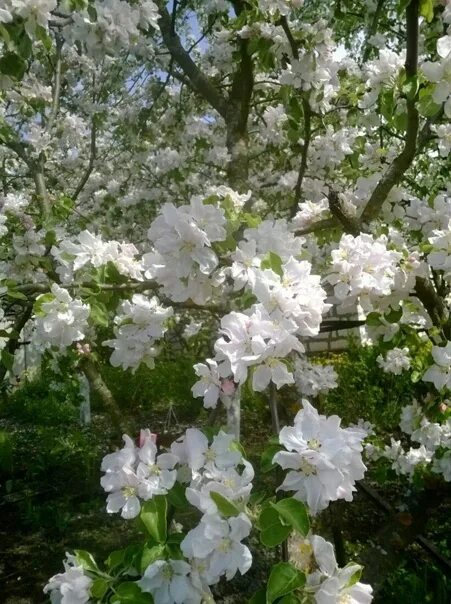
[237,179]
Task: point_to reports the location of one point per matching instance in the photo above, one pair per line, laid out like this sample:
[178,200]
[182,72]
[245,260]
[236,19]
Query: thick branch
[372,30]
[349,223]
[402,162]
[92,157]
[291,41]
[305,147]
[13,342]
[98,386]
[199,81]
[432,302]
[332,325]
[319,225]
[237,114]
[57,83]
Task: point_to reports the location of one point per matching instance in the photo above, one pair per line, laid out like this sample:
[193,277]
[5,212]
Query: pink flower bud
[145,435]
[228,387]
[443,407]
[83,349]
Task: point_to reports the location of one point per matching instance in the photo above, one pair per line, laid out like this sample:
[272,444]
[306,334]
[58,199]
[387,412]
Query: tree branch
[305,147]
[372,30]
[200,82]
[13,342]
[402,162]
[57,83]
[236,117]
[319,225]
[90,166]
[350,224]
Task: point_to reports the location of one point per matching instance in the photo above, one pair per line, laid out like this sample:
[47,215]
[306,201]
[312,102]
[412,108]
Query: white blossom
[324,459]
[396,361]
[71,587]
[62,319]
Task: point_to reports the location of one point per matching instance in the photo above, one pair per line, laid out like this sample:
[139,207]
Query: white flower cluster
[117,25]
[139,324]
[312,378]
[396,361]
[271,236]
[90,251]
[440,373]
[434,439]
[324,459]
[214,546]
[183,260]
[363,268]
[173,582]
[61,319]
[283,7]
[326,582]
[311,212]
[290,304]
[35,13]
[440,256]
[214,382]
[136,473]
[428,218]
[71,587]
[439,72]
[316,69]
[380,73]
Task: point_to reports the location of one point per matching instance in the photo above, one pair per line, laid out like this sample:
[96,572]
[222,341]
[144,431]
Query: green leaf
[154,516]
[416,376]
[394,315]
[13,65]
[50,238]
[274,262]
[272,531]
[252,220]
[373,319]
[426,104]
[259,597]
[295,513]
[99,588]
[176,496]
[6,452]
[115,559]
[402,5]
[63,206]
[130,593]
[12,293]
[226,507]
[427,9]
[150,554]
[410,87]
[356,576]
[42,299]
[266,464]
[7,359]
[284,579]
[98,312]
[86,560]
[289,599]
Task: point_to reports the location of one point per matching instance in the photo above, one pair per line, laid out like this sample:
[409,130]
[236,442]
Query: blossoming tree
[258,162]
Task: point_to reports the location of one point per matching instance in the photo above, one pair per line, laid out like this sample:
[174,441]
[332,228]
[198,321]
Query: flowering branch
[402,162]
[200,82]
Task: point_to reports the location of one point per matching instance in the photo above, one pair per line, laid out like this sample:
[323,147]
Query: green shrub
[43,401]
[365,391]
